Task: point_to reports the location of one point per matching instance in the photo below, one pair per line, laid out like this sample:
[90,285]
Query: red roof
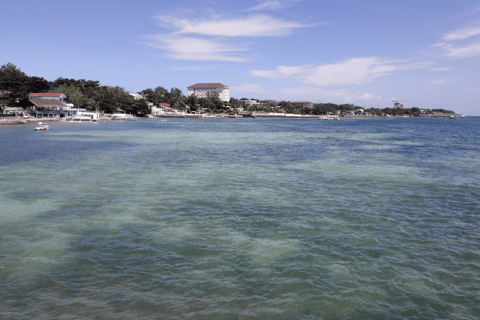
[207,85]
[46,94]
[164,105]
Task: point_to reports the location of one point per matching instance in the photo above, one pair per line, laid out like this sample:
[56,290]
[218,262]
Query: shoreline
[13,121]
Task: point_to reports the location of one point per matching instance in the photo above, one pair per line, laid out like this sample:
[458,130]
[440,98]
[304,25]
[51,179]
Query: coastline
[10,121]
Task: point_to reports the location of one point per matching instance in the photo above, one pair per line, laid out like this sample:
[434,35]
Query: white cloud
[353,71]
[253,88]
[463,33]
[207,38]
[466,51]
[189,48]
[461,51]
[442,69]
[252,26]
[272,5]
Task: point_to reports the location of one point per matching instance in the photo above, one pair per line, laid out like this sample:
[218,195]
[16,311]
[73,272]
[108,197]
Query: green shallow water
[241,219]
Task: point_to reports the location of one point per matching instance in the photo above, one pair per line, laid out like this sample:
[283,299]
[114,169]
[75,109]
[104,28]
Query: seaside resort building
[49,105]
[204,90]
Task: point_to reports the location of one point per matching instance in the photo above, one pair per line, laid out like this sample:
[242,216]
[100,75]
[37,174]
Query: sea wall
[9,120]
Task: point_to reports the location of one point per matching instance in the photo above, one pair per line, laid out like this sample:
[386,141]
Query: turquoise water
[241,219]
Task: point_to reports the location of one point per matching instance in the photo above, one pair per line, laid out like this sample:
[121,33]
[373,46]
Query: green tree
[73,93]
[14,81]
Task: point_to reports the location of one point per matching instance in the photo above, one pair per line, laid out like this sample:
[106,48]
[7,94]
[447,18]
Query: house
[44,108]
[208,90]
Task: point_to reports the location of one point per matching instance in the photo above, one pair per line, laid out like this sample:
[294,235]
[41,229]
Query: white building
[205,90]
[250,103]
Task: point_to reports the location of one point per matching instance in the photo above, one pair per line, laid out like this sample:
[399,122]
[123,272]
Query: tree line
[15,85]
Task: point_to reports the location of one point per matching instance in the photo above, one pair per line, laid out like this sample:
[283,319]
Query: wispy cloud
[353,71]
[463,33]
[189,48]
[209,37]
[272,5]
[252,26]
[250,88]
[464,50]
[460,51]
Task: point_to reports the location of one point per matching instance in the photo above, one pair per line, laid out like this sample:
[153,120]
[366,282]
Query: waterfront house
[43,108]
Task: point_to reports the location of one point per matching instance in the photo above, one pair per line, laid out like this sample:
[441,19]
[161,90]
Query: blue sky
[424,53]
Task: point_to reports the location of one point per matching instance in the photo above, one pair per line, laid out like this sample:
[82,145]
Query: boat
[453,117]
[332,118]
[42,127]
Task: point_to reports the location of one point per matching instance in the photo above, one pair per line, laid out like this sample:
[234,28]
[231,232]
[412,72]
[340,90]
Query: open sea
[241,219]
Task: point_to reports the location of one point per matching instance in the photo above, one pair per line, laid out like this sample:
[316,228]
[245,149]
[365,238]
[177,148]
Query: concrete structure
[17,111]
[206,90]
[305,104]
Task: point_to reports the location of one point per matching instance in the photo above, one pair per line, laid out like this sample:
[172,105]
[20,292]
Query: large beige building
[205,90]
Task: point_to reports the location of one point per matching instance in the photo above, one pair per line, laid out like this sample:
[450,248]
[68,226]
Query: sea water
[241,219]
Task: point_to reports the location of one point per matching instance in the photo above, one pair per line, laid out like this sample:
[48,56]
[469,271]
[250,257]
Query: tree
[13,81]
[141,108]
[74,95]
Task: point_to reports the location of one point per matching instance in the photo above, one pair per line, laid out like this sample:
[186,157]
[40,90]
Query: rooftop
[44,103]
[208,85]
[46,94]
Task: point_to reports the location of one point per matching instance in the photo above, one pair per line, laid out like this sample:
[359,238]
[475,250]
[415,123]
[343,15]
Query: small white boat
[42,127]
[453,117]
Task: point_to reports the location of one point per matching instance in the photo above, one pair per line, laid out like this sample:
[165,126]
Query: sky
[424,54]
